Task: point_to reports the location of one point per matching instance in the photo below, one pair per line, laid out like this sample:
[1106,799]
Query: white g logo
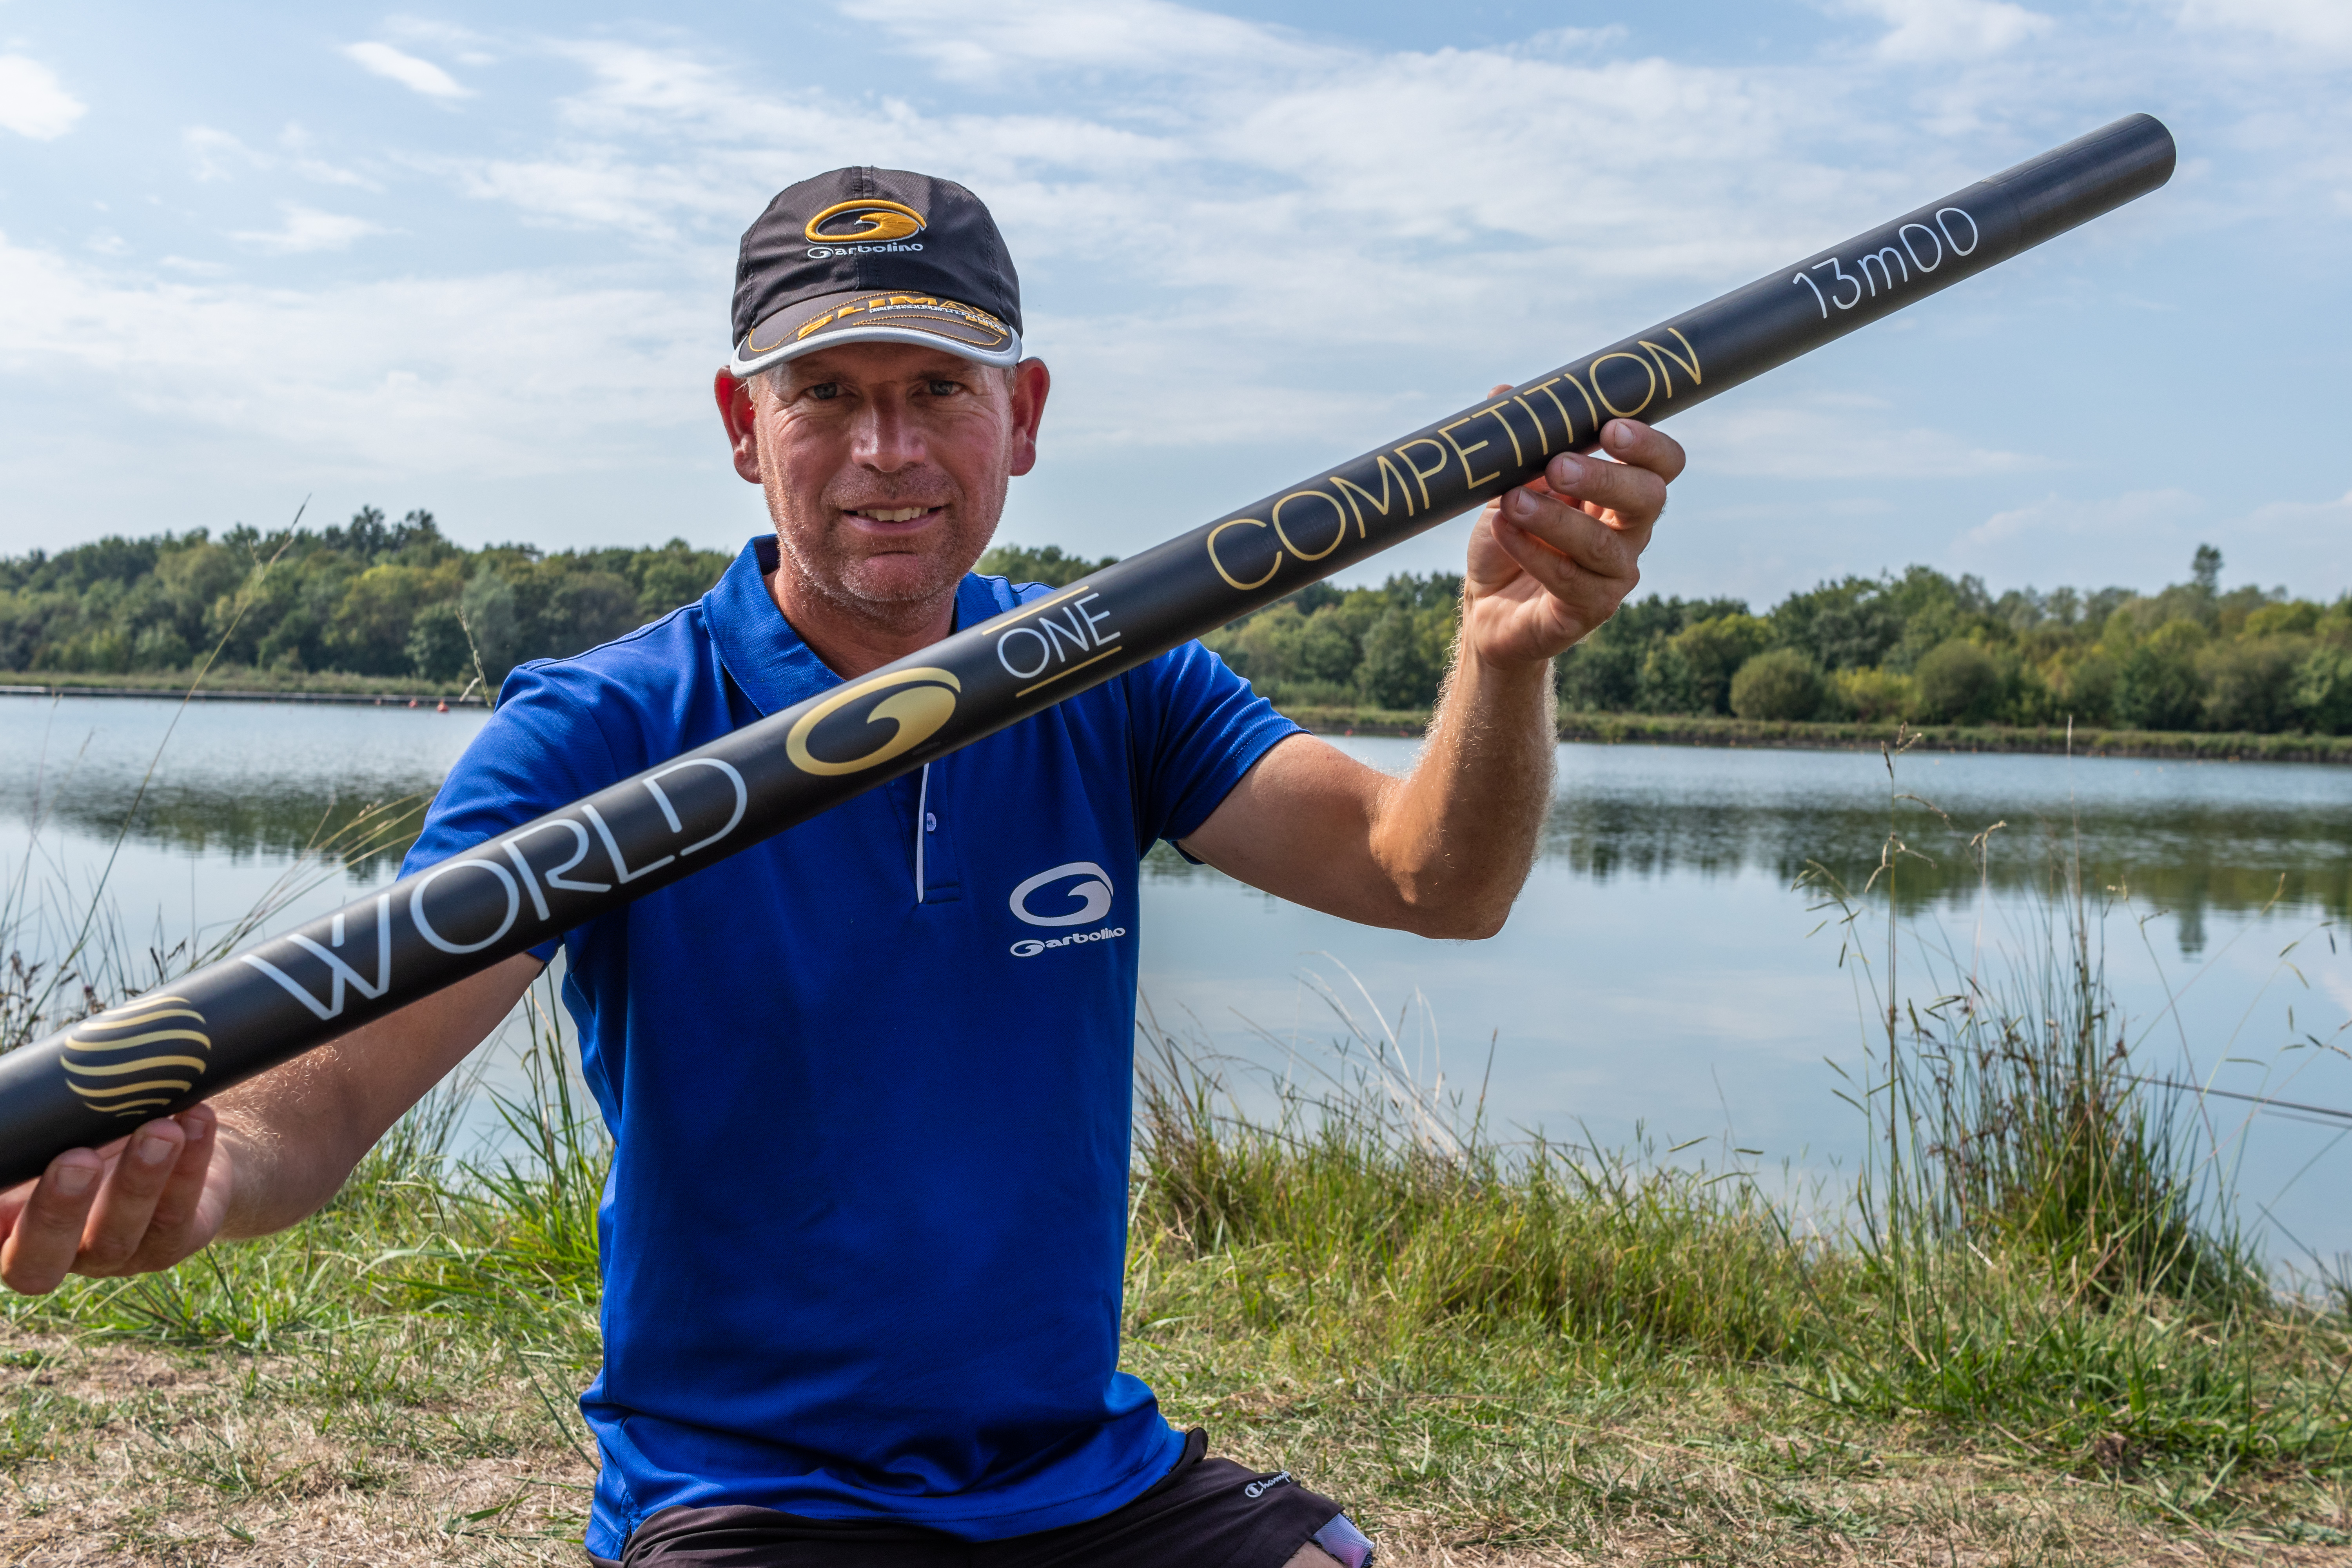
[1093,895]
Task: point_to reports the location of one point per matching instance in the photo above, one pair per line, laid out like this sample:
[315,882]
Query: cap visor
[877,316]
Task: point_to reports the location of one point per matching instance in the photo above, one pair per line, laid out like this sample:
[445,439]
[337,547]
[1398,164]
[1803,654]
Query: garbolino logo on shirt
[1081,888]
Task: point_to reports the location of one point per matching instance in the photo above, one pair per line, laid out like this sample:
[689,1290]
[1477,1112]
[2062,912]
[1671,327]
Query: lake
[1663,978]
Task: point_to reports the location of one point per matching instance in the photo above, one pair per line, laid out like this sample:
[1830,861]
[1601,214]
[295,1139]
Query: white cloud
[33,102]
[966,43]
[396,65]
[435,375]
[306,230]
[216,155]
[2324,25]
[2128,538]
[1838,438]
[1945,30]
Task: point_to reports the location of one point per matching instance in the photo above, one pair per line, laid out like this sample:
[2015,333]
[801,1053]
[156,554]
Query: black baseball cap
[874,255]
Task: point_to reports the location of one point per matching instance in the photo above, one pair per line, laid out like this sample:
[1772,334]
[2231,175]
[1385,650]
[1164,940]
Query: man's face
[885,465]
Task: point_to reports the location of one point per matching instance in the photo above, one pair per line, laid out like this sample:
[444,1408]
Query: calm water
[1661,977]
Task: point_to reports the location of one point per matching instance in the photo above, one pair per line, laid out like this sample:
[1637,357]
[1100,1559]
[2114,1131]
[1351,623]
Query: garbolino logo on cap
[874,256]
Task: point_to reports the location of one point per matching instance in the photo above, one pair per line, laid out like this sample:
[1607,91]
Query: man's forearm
[1458,834]
[295,1133]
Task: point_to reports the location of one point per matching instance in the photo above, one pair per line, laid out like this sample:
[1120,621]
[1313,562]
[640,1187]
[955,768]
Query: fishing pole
[202,1032]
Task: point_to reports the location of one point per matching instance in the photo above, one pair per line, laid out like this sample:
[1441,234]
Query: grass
[1695,730]
[2033,1335]
[224,679]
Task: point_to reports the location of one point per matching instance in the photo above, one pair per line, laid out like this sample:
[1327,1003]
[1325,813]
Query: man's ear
[739,413]
[1031,383]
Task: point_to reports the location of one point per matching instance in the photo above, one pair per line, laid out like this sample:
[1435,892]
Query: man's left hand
[1553,559]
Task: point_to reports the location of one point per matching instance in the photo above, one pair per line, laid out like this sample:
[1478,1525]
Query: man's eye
[946,388]
[825,390]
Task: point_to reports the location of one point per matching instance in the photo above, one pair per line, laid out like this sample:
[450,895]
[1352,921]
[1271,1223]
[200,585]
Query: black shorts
[1205,1513]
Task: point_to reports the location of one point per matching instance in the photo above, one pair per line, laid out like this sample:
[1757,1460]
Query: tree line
[400,599]
[367,597]
[1919,645]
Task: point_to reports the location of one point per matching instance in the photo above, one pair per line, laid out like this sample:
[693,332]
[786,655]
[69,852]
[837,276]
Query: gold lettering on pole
[1420,473]
[1648,375]
[1472,479]
[1229,577]
[1518,457]
[1351,490]
[1339,535]
[1662,355]
[1542,435]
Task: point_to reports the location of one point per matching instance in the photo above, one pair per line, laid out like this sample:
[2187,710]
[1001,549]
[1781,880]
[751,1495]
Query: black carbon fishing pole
[173,1048]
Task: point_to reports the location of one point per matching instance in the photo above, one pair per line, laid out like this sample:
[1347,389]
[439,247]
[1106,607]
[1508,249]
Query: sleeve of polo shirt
[1198,729]
[541,749]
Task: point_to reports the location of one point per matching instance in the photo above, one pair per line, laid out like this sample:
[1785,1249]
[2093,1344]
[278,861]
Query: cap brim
[871,315]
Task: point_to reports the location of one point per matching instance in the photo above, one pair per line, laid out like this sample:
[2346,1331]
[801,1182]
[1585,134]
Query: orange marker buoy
[443,708]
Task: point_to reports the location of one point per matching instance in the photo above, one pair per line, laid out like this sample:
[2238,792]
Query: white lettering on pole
[424,883]
[1886,266]
[742,799]
[1045,652]
[1952,240]
[612,848]
[339,974]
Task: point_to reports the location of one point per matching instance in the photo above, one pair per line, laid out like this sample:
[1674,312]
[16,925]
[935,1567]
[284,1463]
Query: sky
[478,259]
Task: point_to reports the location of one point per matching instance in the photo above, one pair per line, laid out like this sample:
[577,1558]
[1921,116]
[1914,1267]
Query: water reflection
[2194,838]
[345,786]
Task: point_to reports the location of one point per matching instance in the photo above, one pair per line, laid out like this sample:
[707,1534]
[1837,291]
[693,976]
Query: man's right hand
[136,1206]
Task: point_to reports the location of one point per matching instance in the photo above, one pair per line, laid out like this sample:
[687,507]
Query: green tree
[1780,683]
[1958,683]
[1044,563]
[2323,691]
[2156,685]
[2248,683]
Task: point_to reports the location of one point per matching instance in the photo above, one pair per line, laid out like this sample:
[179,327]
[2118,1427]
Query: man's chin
[897,579]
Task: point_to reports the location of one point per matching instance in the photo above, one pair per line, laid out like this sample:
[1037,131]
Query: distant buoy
[444,708]
[412,702]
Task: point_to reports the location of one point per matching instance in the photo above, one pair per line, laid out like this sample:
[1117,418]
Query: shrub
[2323,691]
[2249,683]
[1958,683]
[1875,696]
[2157,689]
[1780,684]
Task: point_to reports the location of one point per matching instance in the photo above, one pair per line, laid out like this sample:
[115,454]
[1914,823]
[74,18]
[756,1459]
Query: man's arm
[1444,851]
[260,1157]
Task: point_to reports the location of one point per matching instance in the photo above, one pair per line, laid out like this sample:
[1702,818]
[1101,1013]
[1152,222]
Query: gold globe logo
[879,221]
[137,1058]
[918,702]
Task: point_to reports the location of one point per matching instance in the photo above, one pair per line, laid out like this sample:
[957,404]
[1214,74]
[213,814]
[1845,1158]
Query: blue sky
[478,259]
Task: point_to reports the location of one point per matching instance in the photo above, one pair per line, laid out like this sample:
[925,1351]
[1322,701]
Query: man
[864,1237]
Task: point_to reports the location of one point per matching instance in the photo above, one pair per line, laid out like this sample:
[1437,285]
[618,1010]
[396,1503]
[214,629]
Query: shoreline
[240,686]
[1690,729]
[1597,729]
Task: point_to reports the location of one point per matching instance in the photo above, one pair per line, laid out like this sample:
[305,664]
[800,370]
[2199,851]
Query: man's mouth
[891,513]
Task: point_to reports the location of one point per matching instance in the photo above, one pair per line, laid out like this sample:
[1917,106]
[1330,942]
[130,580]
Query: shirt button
[930,822]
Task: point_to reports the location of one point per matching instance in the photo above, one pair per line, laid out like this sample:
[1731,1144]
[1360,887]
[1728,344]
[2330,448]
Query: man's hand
[138,1205]
[1444,852]
[1552,560]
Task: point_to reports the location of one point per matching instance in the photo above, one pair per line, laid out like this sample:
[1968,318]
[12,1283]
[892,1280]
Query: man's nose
[887,439]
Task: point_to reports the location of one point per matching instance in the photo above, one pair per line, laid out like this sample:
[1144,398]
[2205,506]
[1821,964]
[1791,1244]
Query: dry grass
[420,1447]
[404,1445]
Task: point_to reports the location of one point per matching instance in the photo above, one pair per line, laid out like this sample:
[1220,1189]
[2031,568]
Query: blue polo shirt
[869,1084]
